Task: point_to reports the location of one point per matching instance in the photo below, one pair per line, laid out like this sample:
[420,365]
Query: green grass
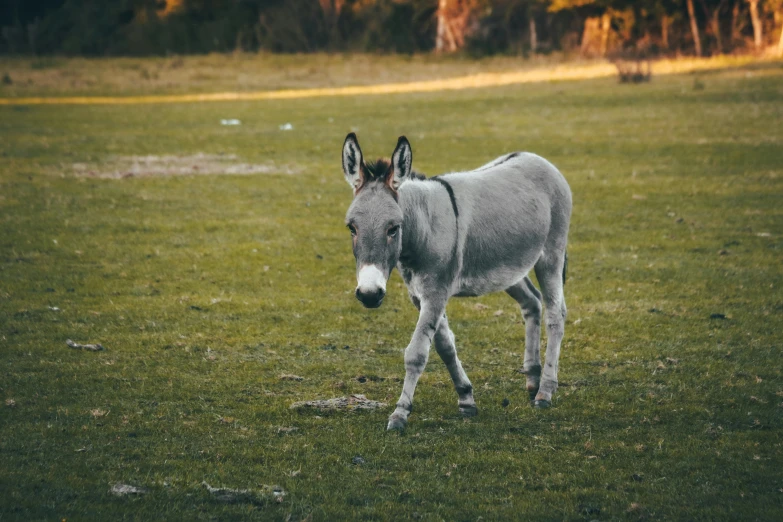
[205,289]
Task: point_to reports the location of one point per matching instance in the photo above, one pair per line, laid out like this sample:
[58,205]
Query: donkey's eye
[393,231]
[352,229]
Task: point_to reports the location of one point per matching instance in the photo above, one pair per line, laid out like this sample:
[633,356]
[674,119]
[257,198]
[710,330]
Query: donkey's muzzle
[371,299]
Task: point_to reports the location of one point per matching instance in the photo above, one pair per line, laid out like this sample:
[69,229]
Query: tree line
[476,27]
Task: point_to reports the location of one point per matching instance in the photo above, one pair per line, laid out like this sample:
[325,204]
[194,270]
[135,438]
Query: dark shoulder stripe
[498,162]
[450,191]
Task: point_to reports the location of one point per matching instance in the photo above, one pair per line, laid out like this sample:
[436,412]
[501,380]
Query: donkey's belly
[494,281]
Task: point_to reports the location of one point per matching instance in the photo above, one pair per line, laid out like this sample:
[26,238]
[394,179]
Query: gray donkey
[462,234]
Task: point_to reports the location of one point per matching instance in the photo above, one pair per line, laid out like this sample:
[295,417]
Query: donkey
[462,234]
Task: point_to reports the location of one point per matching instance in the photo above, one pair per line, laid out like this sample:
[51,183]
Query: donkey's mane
[380,169]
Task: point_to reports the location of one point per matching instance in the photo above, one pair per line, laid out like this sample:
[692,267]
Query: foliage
[204,290]
[157,27]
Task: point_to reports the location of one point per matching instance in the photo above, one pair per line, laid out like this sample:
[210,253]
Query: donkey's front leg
[416,355]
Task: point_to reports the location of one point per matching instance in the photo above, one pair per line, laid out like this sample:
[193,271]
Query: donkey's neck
[429,230]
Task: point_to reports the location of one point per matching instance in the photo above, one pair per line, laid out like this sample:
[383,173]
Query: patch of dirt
[119,167]
[352,402]
[259,496]
[88,347]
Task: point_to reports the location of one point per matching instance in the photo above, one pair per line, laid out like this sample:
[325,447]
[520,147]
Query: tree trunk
[534,36]
[444,42]
[331,10]
[589,36]
[735,31]
[694,28]
[714,21]
[780,42]
[716,30]
[665,22]
[756,21]
[606,25]
[454,24]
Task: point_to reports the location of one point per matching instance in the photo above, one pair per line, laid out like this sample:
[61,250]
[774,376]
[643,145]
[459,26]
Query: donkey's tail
[565,266]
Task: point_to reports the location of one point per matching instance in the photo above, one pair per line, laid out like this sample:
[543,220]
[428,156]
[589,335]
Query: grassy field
[205,288]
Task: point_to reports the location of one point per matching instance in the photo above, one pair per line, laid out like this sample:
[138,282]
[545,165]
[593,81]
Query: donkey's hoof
[396,423]
[542,404]
[468,410]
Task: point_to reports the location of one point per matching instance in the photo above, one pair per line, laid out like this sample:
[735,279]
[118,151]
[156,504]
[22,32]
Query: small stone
[122,490]
[505,402]
[358,460]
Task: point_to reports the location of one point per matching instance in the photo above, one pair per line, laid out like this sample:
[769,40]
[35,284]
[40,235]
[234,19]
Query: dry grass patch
[118,167]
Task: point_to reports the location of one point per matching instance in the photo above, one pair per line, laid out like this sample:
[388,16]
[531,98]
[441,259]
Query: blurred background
[591,28]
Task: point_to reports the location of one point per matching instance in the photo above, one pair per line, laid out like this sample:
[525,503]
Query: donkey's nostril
[372,298]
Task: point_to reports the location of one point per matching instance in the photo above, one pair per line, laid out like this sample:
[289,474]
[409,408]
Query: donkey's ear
[402,159]
[353,163]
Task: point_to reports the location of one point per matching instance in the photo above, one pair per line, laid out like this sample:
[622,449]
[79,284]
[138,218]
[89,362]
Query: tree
[712,13]
[456,22]
[331,13]
[779,15]
[736,29]
[531,22]
[755,19]
[694,27]
[597,23]
[780,43]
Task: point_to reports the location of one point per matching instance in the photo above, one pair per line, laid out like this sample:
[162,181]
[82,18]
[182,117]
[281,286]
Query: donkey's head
[375,217]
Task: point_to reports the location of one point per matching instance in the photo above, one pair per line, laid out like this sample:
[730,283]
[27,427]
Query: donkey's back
[513,211]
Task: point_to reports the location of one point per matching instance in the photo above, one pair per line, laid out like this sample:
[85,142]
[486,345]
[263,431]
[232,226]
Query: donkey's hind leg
[444,345]
[550,274]
[529,299]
